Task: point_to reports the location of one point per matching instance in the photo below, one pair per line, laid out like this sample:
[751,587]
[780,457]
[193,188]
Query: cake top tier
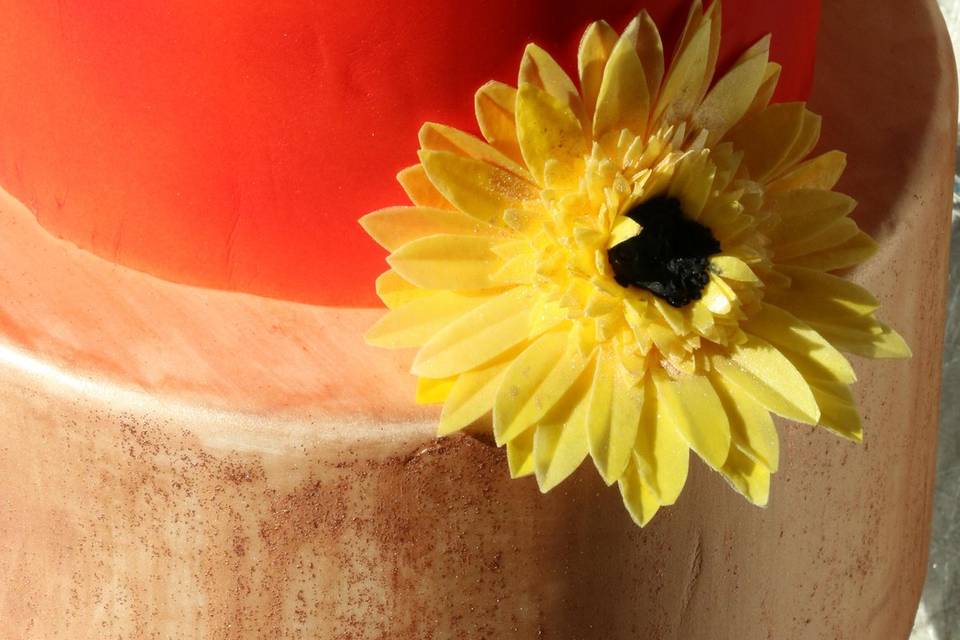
[235,147]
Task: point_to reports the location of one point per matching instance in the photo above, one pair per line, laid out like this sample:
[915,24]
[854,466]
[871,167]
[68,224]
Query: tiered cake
[197,442]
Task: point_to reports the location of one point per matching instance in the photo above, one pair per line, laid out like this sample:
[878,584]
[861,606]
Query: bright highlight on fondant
[501,270]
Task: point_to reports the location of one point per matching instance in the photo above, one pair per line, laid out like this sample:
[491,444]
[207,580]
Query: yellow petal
[535,382]
[395,292]
[797,340]
[685,79]
[494,104]
[816,242]
[661,454]
[560,443]
[650,50]
[692,182]
[751,427]
[538,68]
[766,137]
[623,101]
[478,336]
[822,172]
[547,130]
[816,295]
[770,378]
[520,455]
[771,77]
[802,145]
[692,406]
[475,187]
[849,253]
[394,227]
[748,477]
[865,336]
[447,262]
[613,417]
[838,411]
[713,14]
[474,392]
[732,268]
[804,212]
[433,391]
[414,323]
[420,190]
[727,102]
[637,497]
[439,137]
[595,47]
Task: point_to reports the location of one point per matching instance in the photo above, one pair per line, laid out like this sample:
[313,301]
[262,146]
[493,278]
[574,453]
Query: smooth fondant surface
[234,145]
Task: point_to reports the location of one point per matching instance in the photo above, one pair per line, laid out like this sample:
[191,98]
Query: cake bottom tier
[149,490]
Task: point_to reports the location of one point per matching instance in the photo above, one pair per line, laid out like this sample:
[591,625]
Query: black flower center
[669,257]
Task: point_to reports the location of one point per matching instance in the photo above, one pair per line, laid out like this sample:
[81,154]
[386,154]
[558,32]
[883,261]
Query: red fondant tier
[234,145]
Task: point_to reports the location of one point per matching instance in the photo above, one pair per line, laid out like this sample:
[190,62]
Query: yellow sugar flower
[632,269]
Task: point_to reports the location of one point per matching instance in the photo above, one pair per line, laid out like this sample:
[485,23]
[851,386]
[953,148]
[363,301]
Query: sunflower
[632,270]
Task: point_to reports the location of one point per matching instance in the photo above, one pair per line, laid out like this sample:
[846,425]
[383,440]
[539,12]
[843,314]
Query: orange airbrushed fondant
[235,146]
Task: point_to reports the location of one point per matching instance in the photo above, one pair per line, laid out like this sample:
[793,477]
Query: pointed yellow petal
[474,392]
[394,227]
[770,378]
[692,182]
[535,382]
[804,143]
[713,14]
[414,323]
[816,295]
[433,391]
[767,137]
[849,253]
[748,477]
[520,455]
[728,100]
[395,292]
[661,454]
[478,336]
[798,341]
[822,172]
[732,268]
[539,69]
[684,81]
[595,47]
[623,101]
[692,406]
[650,50]
[613,417]
[751,427]
[439,137]
[838,411]
[804,212]
[420,190]
[865,336]
[547,130]
[475,187]
[638,498]
[817,241]
[560,444]
[447,262]
[771,77]
[494,104]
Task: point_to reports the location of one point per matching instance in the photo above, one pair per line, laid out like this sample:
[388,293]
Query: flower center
[669,257]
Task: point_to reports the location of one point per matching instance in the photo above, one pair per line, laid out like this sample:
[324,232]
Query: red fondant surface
[234,145]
